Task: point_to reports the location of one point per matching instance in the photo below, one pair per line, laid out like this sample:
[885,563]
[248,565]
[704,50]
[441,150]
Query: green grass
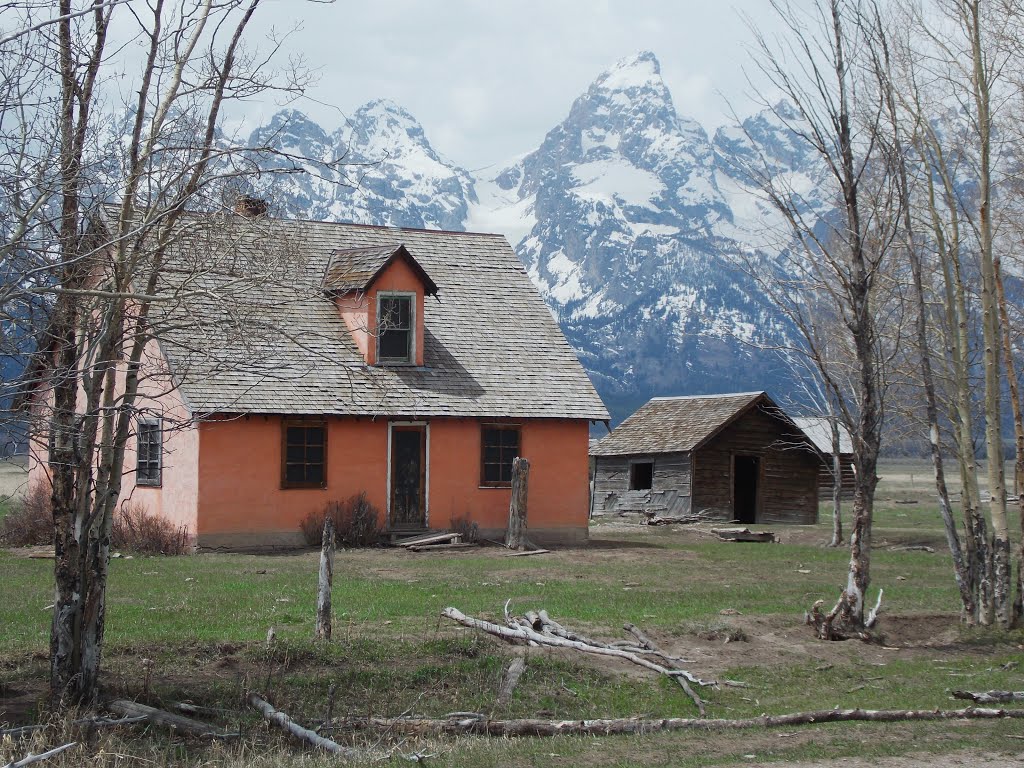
[203,621]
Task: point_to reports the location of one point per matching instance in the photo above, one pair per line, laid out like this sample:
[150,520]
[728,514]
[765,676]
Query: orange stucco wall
[241,501]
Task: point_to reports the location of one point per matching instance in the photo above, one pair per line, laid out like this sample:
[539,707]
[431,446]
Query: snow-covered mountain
[634,224]
[378,168]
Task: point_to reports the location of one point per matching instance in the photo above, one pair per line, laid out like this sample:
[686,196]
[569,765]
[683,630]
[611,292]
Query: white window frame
[411,296]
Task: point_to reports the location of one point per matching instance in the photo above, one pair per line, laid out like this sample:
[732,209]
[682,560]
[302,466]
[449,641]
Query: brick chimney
[251,207]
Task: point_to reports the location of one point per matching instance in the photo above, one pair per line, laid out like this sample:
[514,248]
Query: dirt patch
[916,760]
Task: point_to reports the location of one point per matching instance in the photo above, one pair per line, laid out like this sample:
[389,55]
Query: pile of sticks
[537,628]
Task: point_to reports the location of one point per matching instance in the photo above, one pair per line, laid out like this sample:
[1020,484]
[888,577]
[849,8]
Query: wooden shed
[728,457]
[818,429]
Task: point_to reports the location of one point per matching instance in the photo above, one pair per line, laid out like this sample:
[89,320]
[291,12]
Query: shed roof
[817,428]
[355,269]
[275,343]
[680,424]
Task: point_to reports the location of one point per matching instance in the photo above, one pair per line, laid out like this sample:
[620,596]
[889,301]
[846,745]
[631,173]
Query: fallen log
[481,725]
[285,723]
[528,634]
[167,719]
[510,680]
[91,722]
[30,758]
[667,520]
[743,534]
[990,697]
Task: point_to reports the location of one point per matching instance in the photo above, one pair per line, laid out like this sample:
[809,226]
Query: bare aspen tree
[891,138]
[96,204]
[817,69]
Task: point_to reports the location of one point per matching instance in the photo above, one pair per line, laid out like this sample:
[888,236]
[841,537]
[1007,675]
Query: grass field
[203,621]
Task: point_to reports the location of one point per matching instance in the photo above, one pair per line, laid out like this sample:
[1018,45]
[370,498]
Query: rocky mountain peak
[388,126]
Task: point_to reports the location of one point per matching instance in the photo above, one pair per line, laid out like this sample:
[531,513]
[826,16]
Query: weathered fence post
[326,581]
[515,536]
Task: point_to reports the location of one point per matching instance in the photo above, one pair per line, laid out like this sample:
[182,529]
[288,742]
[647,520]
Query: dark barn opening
[746,471]
[641,476]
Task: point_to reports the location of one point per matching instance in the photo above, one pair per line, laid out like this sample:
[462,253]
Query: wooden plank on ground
[743,534]
[431,538]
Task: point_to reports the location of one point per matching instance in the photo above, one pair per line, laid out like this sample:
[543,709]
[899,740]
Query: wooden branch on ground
[990,697]
[91,722]
[167,719]
[528,552]
[285,723]
[510,680]
[481,725]
[648,645]
[528,634]
[30,758]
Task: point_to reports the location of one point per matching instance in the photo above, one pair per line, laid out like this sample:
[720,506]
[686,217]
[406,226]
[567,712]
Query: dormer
[379,293]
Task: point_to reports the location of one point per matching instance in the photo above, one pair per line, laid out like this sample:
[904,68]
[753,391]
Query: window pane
[314,436]
[295,453]
[295,473]
[492,473]
[510,438]
[394,345]
[314,473]
[315,454]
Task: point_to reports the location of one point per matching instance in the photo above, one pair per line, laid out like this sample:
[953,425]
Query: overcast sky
[488,79]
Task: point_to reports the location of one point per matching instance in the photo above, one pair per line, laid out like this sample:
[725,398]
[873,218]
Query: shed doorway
[746,473]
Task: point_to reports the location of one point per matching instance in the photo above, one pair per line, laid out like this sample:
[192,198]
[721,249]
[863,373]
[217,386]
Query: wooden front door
[408,478]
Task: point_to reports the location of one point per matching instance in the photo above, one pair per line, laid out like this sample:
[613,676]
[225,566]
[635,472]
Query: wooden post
[326,581]
[515,536]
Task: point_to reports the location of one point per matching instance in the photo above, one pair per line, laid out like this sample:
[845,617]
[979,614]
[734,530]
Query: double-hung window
[396,328]
[149,452]
[304,454]
[499,445]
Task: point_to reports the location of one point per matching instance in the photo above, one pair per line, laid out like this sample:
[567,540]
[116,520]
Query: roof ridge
[707,397]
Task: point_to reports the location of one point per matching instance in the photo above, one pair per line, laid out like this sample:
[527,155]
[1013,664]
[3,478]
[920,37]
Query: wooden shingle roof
[278,344]
[355,269]
[679,424]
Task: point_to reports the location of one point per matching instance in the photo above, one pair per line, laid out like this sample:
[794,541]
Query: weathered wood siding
[788,485]
[670,487]
[825,478]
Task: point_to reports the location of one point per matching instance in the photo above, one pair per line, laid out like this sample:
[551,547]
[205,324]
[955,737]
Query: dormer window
[396,328]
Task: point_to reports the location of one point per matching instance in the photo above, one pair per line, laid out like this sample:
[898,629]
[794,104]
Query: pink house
[303,362]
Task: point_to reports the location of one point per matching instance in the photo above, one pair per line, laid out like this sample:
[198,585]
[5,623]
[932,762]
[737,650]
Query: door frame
[425,427]
[759,480]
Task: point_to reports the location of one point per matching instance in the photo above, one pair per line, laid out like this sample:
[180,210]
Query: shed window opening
[395,329]
[305,456]
[149,450]
[499,446]
[641,476]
